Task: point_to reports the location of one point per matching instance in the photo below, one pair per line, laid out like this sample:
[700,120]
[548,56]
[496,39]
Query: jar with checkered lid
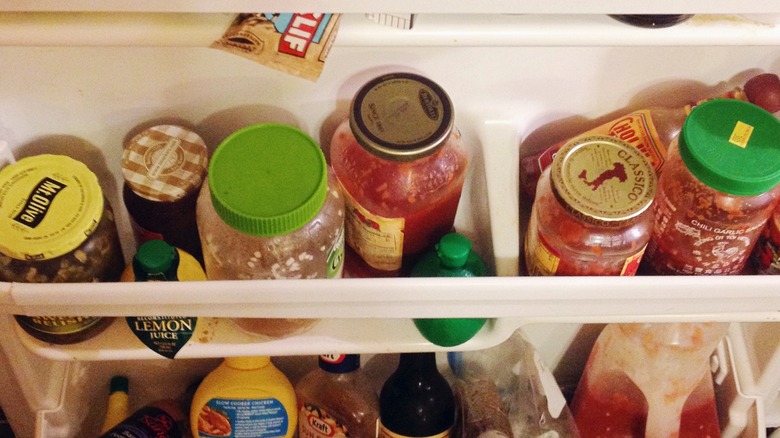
[164,167]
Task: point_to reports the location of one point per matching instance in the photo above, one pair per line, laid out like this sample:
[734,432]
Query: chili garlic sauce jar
[163,168]
[717,190]
[591,214]
[402,166]
[57,227]
[270,209]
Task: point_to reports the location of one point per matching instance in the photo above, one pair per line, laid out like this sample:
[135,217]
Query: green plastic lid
[732,146]
[155,256]
[268,179]
[453,250]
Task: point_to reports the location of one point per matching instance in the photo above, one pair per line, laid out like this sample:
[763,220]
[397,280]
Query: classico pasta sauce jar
[717,190]
[592,214]
[402,165]
[57,227]
[271,209]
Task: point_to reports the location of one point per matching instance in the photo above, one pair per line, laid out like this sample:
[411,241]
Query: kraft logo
[323,427]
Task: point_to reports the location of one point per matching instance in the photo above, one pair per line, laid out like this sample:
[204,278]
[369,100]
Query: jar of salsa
[402,166]
[271,209]
[717,190]
[57,227]
[591,214]
[163,168]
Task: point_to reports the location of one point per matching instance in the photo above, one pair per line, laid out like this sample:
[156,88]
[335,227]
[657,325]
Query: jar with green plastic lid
[717,190]
[57,227]
[271,209]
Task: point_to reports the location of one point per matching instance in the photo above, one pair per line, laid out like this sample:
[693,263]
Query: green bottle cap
[452,257]
[732,146]
[268,179]
[155,256]
[118,384]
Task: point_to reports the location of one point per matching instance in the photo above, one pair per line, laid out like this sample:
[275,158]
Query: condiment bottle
[766,253]
[117,408]
[159,419]
[650,380]
[402,166]
[163,169]
[651,130]
[271,209]
[717,190]
[156,260]
[416,400]
[247,396]
[57,227]
[653,21]
[336,399]
[451,257]
[591,214]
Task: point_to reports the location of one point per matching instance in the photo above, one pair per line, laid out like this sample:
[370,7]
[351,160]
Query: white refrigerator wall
[513,92]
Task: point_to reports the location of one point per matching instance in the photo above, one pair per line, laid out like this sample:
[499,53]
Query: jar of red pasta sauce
[717,190]
[591,214]
[402,165]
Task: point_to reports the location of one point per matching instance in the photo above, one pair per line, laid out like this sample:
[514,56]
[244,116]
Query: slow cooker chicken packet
[294,43]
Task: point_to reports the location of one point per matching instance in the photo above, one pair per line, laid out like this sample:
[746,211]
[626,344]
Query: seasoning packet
[294,43]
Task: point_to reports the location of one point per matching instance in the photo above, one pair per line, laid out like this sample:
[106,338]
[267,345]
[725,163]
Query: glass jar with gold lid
[591,214]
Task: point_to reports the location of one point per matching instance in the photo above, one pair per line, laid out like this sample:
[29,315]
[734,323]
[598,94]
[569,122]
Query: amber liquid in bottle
[416,400]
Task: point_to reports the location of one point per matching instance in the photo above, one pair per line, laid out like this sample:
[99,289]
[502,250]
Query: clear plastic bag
[509,386]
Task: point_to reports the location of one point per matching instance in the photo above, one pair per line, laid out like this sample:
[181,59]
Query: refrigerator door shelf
[158,29]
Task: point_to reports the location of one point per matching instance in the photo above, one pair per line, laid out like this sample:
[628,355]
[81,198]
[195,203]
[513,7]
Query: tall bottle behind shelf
[159,419]
[336,399]
[651,130]
[416,400]
[117,408]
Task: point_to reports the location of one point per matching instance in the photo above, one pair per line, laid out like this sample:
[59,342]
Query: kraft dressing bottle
[244,396]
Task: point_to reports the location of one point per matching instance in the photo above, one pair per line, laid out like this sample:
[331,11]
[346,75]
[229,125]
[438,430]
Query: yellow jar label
[49,204]
[378,240]
[544,261]
[740,136]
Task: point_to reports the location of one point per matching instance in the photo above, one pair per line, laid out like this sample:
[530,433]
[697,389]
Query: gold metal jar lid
[165,163]
[602,179]
[401,116]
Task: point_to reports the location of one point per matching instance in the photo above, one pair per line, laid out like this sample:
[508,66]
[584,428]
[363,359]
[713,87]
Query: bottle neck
[417,363]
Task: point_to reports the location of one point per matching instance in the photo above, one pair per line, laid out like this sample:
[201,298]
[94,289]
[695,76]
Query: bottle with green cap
[271,209]
[156,260]
[452,257]
[717,190]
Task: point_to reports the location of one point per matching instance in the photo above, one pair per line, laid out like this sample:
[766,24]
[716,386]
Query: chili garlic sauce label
[315,422]
[716,249]
[238,418]
[378,240]
[385,433]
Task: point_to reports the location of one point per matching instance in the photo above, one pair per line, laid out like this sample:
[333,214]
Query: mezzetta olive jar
[57,227]
[591,214]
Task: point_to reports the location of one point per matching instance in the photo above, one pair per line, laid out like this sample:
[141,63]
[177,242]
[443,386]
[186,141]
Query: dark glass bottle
[416,400]
[652,21]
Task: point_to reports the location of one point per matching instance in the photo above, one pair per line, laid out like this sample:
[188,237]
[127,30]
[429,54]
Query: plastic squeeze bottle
[156,260]
[244,396]
[651,130]
[336,400]
[650,380]
[451,257]
[118,403]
